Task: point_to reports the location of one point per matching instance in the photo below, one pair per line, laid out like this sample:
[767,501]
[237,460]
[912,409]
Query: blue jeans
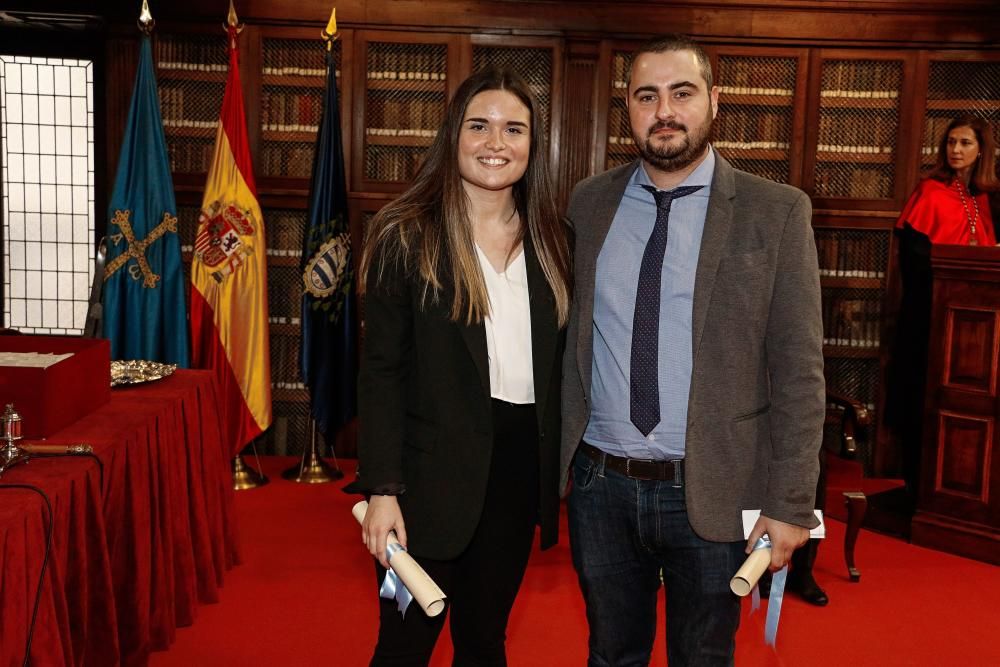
[623,533]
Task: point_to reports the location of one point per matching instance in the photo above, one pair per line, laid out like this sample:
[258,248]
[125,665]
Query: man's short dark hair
[675,42]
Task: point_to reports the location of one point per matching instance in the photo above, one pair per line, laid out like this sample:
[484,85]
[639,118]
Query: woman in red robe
[950,206]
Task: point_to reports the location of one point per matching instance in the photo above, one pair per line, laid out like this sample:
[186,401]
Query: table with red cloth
[142,532]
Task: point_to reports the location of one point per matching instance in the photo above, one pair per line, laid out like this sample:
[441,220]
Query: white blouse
[508,331]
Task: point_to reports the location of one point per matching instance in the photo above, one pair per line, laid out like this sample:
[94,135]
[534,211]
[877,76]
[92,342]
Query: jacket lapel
[594,231]
[474,336]
[543,327]
[718,226]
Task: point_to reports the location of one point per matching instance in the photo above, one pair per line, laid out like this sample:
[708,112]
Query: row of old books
[291,111]
[864,79]
[284,57]
[834,179]
[412,112]
[848,255]
[293,160]
[620,64]
[284,294]
[284,319]
[392,163]
[955,81]
[754,91]
[851,322]
[198,56]
[190,156]
[757,76]
[404,63]
[284,233]
[855,132]
[182,108]
[766,129]
[285,361]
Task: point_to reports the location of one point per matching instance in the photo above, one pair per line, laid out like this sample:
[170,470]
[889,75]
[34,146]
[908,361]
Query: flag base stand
[245,477]
[312,469]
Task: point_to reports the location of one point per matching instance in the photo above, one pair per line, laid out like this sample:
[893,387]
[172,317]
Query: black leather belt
[646,469]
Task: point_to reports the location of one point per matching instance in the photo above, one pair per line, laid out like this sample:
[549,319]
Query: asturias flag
[328,358]
[143,297]
[229,326]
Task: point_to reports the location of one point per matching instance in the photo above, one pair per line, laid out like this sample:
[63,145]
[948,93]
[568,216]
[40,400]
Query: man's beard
[674,158]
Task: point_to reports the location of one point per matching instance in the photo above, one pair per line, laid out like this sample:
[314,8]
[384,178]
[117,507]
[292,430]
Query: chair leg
[857,505]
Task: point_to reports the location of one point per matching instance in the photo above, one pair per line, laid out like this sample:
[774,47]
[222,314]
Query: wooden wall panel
[579,120]
[963,458]
[972,350]
[958,508]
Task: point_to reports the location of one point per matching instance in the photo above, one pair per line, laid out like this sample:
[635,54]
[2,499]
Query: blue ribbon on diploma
[392,587]
[774,599]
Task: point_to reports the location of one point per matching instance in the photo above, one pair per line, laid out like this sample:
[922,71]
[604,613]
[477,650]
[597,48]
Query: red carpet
[305,595]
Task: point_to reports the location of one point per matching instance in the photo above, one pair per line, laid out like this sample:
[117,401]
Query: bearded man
[693,377]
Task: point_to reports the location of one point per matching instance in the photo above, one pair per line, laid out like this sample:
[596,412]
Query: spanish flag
[229,325]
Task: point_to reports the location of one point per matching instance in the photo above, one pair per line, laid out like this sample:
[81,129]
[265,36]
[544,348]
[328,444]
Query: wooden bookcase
[760,94]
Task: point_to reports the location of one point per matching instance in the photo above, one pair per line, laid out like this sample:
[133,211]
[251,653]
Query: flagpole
[312,469]
[244,477]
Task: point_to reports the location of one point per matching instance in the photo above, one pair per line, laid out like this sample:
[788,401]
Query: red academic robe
[935,209]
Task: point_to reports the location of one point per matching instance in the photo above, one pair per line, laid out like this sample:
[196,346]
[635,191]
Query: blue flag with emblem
[327,354]
[143,297]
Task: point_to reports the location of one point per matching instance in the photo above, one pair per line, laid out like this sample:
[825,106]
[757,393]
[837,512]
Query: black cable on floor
[45,563]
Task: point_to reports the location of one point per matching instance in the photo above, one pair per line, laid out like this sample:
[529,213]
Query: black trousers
[483,581]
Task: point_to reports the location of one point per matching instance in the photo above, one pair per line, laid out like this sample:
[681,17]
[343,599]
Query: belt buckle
[628,469]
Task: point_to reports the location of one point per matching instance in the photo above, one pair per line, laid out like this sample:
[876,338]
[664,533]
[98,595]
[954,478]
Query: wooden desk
[139,539]
[958,509]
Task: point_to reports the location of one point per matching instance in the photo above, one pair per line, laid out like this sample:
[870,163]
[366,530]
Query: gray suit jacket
[757,401]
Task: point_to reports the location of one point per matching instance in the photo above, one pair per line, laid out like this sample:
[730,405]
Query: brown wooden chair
[845,476]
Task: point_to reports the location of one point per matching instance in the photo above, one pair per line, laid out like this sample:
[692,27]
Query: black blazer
[425,411]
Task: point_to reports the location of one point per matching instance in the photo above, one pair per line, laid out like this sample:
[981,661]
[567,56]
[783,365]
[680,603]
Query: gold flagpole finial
[329,35]
[145,21]
[231,18]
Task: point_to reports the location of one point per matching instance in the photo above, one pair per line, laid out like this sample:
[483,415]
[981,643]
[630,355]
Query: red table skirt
[139,540]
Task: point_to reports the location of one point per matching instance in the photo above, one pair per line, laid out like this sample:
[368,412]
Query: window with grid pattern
[621,147]
[754,127]
[292,104]
[858,124]
[191,70]
[533,64]
[47,158]
[405,103]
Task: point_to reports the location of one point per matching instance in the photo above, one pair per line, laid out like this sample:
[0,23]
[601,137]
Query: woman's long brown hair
[428,227]
[984,175]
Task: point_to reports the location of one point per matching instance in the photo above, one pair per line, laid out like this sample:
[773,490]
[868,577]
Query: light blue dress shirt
[617,280]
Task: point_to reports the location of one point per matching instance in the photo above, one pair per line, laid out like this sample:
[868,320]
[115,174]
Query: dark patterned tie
[644,390]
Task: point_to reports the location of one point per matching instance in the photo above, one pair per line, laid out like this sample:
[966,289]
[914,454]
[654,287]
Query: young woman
[466,283]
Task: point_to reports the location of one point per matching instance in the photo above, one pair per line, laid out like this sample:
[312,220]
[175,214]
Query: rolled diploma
[428,595]
[746,577]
